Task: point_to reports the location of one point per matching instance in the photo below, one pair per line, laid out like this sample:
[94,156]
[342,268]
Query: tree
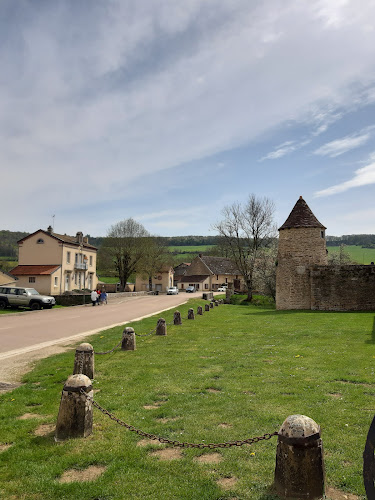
[265,272]
[340,258]
[125,245]
[245,230]
[156,256]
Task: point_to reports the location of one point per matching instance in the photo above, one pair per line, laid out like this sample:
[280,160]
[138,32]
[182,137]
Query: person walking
[103,297]
[98,293]
[94,297]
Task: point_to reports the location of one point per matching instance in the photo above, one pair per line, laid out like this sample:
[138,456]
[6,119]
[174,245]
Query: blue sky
[168,110]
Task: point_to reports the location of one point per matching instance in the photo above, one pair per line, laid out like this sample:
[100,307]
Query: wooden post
[128,339]
[191,314]
[177,318]
[199,310]
[75,412]
[84,360]
[161,327]
[299,471]
[207,307]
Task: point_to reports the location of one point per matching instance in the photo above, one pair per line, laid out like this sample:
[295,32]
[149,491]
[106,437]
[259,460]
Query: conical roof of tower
[301,216]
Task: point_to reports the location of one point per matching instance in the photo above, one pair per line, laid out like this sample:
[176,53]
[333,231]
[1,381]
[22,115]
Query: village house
[55,263]
[161,280]
[7,279]
[210,273]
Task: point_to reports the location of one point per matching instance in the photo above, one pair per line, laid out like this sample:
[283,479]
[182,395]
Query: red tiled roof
[61,237]
[301,216]
[33,270]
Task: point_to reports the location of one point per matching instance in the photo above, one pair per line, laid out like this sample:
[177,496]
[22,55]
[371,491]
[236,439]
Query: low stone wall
[343,288]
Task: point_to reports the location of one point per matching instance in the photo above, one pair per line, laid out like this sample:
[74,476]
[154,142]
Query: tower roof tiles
[301,216]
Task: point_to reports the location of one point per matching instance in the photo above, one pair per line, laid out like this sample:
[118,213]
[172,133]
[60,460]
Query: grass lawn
[357,254]
[191,248]
[233,373]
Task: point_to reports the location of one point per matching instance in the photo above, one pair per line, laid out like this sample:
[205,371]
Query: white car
[172,290]
[222,289]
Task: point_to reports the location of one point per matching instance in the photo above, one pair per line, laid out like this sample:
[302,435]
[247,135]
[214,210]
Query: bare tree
[126,245]
[245,230]
[156,256]
[340,258]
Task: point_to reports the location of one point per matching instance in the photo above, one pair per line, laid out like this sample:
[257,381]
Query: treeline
[362,240]
[8,243]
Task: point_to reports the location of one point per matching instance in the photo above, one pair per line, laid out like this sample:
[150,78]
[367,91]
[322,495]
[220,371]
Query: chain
[109,352]
[145,334]
[172,442]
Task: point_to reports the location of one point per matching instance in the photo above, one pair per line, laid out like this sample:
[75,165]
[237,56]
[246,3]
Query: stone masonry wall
[299,248]
[342,288]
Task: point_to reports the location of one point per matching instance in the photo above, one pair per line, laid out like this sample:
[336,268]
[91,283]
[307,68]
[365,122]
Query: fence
[299,469]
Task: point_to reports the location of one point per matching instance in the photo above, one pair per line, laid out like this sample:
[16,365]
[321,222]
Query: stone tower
[301,244]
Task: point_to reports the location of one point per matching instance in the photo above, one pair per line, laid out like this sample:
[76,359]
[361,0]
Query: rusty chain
[145,334]
[111,350]
[175,443]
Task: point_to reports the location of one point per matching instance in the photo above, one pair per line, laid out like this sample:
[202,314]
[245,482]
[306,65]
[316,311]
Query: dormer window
[40,241]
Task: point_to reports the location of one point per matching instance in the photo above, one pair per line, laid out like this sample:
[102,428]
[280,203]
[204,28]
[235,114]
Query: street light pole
[85,259]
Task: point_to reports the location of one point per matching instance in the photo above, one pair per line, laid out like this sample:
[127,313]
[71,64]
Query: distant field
[190,249]
[357,254]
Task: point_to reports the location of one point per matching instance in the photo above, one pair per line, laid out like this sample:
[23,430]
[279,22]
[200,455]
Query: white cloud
[94,98]
[362,177]
[341,146]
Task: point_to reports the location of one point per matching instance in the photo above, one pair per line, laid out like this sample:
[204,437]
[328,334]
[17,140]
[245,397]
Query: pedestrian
[94,297]
[98,293]
[103,297]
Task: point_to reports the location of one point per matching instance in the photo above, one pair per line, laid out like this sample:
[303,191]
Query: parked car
[190,289]
[12,296]
[222,289]
[172,290]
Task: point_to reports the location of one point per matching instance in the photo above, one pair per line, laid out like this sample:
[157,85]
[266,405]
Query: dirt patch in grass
[29,416]
[335,395]
[90,474]
[155,406]
[147,442]
[4,447]
[44,430]
[225,425]
[166,420]
[250,393]
[334,494]
[354,382]
[227,483]
[213,390]
[167,454]
[209,458]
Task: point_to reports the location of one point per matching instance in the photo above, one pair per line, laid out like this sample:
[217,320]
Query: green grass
[109,279]
[358,254]
[263,364]
[190,249]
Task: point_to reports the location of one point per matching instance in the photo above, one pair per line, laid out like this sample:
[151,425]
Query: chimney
[200,255]
[49,229]
[86,239]
[79,237]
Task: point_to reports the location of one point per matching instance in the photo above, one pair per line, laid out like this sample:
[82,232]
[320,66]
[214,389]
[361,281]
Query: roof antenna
[53,223]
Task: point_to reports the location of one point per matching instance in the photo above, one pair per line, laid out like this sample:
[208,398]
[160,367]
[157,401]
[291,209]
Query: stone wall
[298,249]
[342,288]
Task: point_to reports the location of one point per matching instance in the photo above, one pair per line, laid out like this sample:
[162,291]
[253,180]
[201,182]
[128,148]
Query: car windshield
[32,291]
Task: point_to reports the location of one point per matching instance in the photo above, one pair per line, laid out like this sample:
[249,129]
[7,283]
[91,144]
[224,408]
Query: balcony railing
[80,265]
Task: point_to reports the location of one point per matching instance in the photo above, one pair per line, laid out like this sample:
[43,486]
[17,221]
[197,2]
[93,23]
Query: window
[68,257]
[90,260]
[56,281]
[217,277]
[76,258]
[322,234]
[75,279]
[40,241]
[206,286]
[31,279]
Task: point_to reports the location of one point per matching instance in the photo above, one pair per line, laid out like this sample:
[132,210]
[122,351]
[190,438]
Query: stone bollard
[216,302]
[128,339]
[84,360]
[75,412]
[299,471]
[161,327]
[177,318]
[211,305]
[191,314]
[199,310]
[206,307]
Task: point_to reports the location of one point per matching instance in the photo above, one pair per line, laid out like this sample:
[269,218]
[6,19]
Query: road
[34,330]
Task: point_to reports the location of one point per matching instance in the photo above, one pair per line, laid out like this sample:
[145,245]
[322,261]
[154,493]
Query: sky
[168,110]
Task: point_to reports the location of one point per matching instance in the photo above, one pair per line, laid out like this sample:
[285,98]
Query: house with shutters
[210,273]
[55,263]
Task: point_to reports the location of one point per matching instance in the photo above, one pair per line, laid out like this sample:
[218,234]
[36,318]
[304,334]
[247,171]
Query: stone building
[304,280]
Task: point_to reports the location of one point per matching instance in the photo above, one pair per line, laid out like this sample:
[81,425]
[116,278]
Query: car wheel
[35,306]
[3,304]
[47,307]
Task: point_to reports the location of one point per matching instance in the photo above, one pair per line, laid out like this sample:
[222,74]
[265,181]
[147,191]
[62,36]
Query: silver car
[172,290]
[13,296]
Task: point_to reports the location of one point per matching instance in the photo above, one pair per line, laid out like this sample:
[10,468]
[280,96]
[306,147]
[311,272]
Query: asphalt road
[35,330]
